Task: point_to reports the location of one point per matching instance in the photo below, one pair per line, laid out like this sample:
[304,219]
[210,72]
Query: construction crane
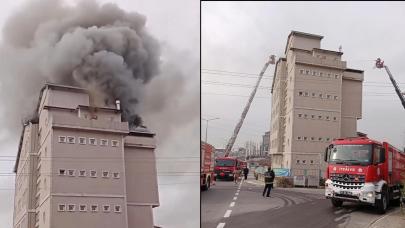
[231,141]
[380,64]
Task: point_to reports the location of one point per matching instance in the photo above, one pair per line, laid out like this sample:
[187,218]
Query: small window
[117,208]
[93,173]
[305,116]
[61,207]
[327,139]
[71,139]
[298,161]
[300,93]
[320,74]
[301,71]
[320,95]
[313,94]
[104,142]
[336,97]
[314,73]
[62,172]
[83,207]
[312,138]
[92,141]
[336,76]
[94,208]
[319,117]
[82,140]
[116,175]
[307,72]
[334,118]
[71,172]
[114,143]
[62,139]
[299,115]
[320,139]
[327,117]
[329,75]
[305,138]
[306,94]
[106,174]
[299,137]
[312,116]
[303,161]
[82,173]
[312,161]
[71,207]
[328,96]
[106,208]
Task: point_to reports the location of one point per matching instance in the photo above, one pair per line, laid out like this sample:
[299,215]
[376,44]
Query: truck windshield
[351,154]
[225,162]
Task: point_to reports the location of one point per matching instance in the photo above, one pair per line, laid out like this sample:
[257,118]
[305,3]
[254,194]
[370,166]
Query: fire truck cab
[365,171]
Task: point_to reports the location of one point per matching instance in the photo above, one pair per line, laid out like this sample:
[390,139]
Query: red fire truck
[226,166]
[365,171]
[207,166]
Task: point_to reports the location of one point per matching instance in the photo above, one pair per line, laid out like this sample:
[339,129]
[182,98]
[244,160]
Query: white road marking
[232,204]
[227,213]
[236,194]
[221,225]
[235,198]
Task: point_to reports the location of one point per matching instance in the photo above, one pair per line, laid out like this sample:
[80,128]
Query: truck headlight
[368,194]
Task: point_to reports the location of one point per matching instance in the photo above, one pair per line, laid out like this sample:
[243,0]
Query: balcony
[309,59]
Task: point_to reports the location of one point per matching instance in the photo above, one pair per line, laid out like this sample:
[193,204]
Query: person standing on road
[236,175]
[268,180]
[246,172]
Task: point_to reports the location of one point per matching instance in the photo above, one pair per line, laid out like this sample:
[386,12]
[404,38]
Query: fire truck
[207,166]
[225,167]
[365,171]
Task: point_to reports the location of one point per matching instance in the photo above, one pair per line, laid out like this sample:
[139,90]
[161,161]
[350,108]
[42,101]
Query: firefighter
[246,172]
[268,180]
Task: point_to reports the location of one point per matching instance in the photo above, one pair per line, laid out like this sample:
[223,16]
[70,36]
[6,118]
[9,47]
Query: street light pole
[206,127]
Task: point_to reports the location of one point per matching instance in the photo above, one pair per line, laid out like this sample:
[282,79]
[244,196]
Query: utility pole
[206,127]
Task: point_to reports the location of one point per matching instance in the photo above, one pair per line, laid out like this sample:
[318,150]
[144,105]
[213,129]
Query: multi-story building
[264,148]
[81,166]
[315,98]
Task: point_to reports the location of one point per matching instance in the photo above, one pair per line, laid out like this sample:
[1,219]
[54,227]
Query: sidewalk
[392,220]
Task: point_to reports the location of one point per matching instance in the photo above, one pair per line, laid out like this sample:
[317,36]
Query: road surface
[242,205]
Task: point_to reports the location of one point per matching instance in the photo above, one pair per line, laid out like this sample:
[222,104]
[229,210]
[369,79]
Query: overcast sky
[176,25]
[238,37]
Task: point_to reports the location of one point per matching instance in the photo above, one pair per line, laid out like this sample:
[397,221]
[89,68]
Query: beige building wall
[82,167]
[321,100]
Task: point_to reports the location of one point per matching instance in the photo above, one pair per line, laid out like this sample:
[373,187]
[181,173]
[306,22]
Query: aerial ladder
[231,141]
[380,64]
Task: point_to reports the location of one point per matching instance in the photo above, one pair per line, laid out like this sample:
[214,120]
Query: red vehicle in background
[365,171]
[225,167]
[207,166]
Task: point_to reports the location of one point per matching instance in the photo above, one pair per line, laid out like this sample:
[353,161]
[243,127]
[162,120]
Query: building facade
[315,98]
[81,166]
[264,148]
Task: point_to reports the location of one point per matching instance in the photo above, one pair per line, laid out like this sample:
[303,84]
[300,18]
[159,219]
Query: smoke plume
[98,47]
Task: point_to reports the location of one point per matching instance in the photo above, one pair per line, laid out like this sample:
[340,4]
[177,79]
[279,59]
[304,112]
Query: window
[320,95]
[328,96]
[116,175]
[298,161]
[300,93]
[94,208]
[93,173]
[319,117]
[305,116]
[82,173]
[299,115]
[62,139]
[336,76]
[62,172]
[312,138]
[82,140]
[117,208]
[327,117]
[61,207]
[71,172]
[334,118]
[320,74]
[83,207]
[320,139]
[71,139]
[92,141]
[314,73]
[301,71]
[336,97]
[106,174]
[303,161]
[306,94]
[114,143]
[299,137]
[327,139]
[312,161]
[313,94]
[106,208]
[312,116]
[328,75]
[305,138]
[104,142]
[71,207]
[307,72]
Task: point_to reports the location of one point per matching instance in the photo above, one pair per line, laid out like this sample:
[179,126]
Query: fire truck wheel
[382,203]
[337,203]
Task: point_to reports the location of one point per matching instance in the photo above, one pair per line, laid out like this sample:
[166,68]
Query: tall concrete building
[264,148]
[315,98]
[81,166]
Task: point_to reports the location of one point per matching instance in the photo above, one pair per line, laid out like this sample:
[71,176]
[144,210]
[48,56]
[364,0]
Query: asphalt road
[243,206]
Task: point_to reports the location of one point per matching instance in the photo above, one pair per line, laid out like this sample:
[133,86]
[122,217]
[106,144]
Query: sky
[238,37]
[178,34]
